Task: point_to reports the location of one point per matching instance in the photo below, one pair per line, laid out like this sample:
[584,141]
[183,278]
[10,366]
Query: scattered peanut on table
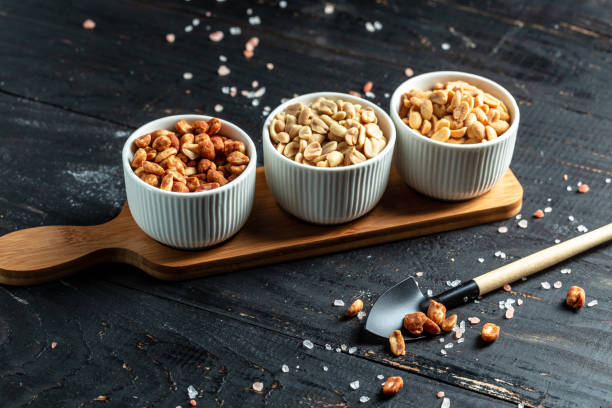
[202,159]
[355,308]
[327,133]
[576,297]
[455,112]
[397,344]
[392,386]
[490,332]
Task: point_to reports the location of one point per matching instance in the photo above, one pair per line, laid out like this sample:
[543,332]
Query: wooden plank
[71,343]
[401,213]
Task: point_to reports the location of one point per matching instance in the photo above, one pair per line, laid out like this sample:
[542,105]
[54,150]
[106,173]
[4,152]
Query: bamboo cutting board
[271,235]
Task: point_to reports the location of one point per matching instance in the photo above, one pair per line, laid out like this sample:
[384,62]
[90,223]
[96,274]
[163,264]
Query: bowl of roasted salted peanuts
[455,133]
[327,156]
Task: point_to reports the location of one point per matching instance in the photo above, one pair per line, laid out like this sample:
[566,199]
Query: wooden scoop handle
[542,259]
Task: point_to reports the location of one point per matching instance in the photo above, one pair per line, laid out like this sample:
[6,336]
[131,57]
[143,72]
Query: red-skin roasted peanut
[139,171]
[413,322]
[200,126]
[392,386]
[207,186]
[448,323]
[576,297]
[153,168]
[139,158]
[397,344]
[143,141]
[214,126]
[490,332]
[436,312]
[355,308]
[431,327]
[237,158]
[151,179]
[182,126]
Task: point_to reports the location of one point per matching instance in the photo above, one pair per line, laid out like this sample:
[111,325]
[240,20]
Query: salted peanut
[151,153]
[218,144]
[199,126]
[355,157]
[192,182]
[490,100]
[426,109]
[441,134]
[139,171]
[442,123]
[415,120]
[368,116]
[291,149]
[351,137]
[470,119]
[329,147]
[322,163]
[328,107]
[167,182]
[413,322]
[182,126]
[492,116]
[294,109]
[490,133]
[143,141]
[456,101]
[500,126]
[216,176]
[397,344]
[334,159]
[205,164]
[207,186]
[337,130]
[439,97]
[319,125]
[349,109]
[312,151]
[303,144]
[206,149]
[187,138]
[162,143]
[392,386]
[355,308]
[476,131]
[481,116]
[140,156]
[153,168]
[490,332]
[305,133]
[416,102]
[503,115]
[304,118]
[448,323]
[431,327]
[214,126]
[425,127]
[460,112]
[283,137]
[150,179]
[372,130]
[436,311]
[238,159]
[176,175]
[458,133]
[576,297]
[179,187]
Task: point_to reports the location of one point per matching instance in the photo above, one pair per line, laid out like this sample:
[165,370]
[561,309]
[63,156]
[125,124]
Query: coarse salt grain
[518,216]
[445,403]
[258,386]
[571,218]
[282,4]
[328,347]
[188,28]
[249,11]
[285,368]
[461,340]
[557,284]
[429,292]
[218,108]
[443,352]
[222,58]
[502,230]
[547,209]
[270,66]
[255,20]
[363,399]
[223,70]
[481,260]
[187,75]
[216,36]
[520,405]
[192,392]
[361,315]
[557,241]
[440,394]
[474,320]
[581,228]
[510,313]
[409,72]
[380,377]
[308,344]
[592,303]
[338,302]
[170,38]
[370,27]
[329,8]
[507,287]
[419,274]
[352,350]
[325,368]
[523,223]
[378,25]
[519,302]
[608,180]
[441,339]
[354,385]
[89,24]
[445,46]
[235,30]
[195,22]
[545,285]
[566,271]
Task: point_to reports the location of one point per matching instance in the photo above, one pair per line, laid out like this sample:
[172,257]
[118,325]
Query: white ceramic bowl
[452,171]
[190,220]
[328,195]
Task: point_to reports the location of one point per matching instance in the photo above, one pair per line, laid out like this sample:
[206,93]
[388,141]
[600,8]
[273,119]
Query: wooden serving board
[271,235]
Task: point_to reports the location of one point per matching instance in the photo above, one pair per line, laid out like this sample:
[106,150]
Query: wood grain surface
[270,235]
[69,97]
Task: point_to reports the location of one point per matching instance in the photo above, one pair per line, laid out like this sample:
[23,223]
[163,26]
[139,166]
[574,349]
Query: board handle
[542,259]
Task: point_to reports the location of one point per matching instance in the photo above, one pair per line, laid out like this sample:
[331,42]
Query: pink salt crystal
[54,344]
[223,70]
[474,320]
[507,287]
[253,41]
[270,66]
[440,394]
[458,334]
[368,87]
[208,14]
[170,38]
[519,302]
[258,386]
[247,54]
[216,36]
[408,72]
[557,284]
[510,313]
[89,24]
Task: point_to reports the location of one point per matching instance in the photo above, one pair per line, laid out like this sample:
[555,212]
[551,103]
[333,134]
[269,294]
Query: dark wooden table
[112,336]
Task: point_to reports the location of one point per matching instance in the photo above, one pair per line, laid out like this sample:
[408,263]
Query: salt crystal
[545,285]
[218,108]
[235,30]
[352,350]
[329,8]
[419,274]
[445,46]
[378,25]
[343,347]
[441,339]
[216,36]
[429,292]
[448,345]
[188,29]
[448,283]
[338,302]
[510,313]
[440,394]
[89,24]
[461,340]
[328,347]
[308,344]
[192,392]
[520,405]
[462,325]
[187,75]
[581,228]
[502,255]
[443,352]
[255,20]
[507,287]
[547,209]
[364,399]
[523,223]
[249,11]
[354,385]
[361,315]
[502,304]
[519,302]
[455,283]
[258,386]
[195,22]
[592,303]
[557,284]
[170,38]
[285,368]
[408,72]
[325,368]
[510,301]
[225,90]
[566,271]
[223,70]
[445,403]
[338,349]
[608,180]
[370,27]
[474,320]
[557,241]
[386,95]
[270,66]
[518,216]
[255,102]
[571,218]
[481,260]
[502,229]
[282,4]
[222,58]
[498,253]
[569,188]
[260,92]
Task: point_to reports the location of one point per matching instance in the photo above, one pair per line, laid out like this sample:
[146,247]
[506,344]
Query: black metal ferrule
[460,295]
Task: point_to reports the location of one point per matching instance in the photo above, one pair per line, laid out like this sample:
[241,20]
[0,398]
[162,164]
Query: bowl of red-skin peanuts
[189,179]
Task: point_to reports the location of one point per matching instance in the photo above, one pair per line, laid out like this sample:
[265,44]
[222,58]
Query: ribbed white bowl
[324,195]
[190,220]
[452,171]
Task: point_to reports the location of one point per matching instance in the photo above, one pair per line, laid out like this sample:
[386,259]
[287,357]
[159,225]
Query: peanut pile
[327,133]
[455,112]
[201,159]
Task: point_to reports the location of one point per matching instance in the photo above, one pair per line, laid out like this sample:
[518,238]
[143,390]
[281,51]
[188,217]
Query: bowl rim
[125,152]
[380,113]
[466,76]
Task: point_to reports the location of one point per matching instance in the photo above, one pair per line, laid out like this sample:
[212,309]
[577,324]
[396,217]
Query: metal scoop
[389,310]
